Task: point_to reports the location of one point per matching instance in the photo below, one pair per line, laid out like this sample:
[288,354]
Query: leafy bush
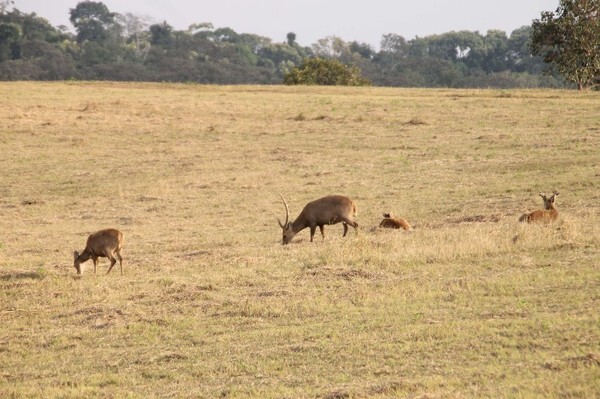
[325,72]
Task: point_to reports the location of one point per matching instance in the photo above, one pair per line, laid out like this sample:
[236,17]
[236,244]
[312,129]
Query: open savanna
[470,304]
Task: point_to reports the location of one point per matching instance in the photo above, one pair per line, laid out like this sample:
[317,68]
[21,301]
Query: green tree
[4,5]
[291,38]
[161,34]
[135,31]
[569,39]
[279,54]
[363,49]
[325,72]
[10,33]
[92,20]
[495,44]
[330,47]
[30,48]
[393,48]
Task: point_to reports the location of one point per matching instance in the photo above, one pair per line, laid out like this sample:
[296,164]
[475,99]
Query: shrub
[325,72]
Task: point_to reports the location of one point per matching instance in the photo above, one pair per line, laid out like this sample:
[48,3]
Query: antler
[287,213]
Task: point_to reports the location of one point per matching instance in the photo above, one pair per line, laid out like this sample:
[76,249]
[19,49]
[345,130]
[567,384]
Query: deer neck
[299,224]
[84,256]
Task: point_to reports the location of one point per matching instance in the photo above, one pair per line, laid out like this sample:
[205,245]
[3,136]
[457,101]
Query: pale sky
[364,21]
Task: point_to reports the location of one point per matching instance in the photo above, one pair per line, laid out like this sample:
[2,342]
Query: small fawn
[390,222]
[104,243]
[547,215]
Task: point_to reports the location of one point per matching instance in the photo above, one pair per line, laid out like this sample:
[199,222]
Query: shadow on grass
[6,276]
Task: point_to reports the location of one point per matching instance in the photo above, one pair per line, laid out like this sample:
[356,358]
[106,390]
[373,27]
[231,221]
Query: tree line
[128,47]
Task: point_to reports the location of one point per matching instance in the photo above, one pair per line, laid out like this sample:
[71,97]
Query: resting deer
[548,214]
[327,210]
[390,222]
[104,243]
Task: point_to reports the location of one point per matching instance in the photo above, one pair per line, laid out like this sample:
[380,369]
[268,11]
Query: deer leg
[95,260]
[347,222]
[120,262]
[312,232]
[322,231]
[112,262]
[350,222]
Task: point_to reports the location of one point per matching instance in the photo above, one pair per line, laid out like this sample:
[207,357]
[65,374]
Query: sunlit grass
[469,304]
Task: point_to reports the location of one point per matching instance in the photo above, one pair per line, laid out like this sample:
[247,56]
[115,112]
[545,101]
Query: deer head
[77,263]
[549,201]
[288,233]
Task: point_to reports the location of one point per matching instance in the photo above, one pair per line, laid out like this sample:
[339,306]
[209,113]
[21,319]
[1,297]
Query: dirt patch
[589,360]
[356,273]
[7,276]
[493,218]
[96,317]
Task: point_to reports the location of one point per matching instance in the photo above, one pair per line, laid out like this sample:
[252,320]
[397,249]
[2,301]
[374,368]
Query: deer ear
[556,193]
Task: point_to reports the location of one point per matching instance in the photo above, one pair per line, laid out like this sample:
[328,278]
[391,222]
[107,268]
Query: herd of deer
[328,210]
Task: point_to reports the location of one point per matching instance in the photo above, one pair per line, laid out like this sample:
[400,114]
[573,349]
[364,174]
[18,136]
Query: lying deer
[390,222]
[327,210]
[104,243]
[548,214]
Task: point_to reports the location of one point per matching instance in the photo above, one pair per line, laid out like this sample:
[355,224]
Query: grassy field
[470,304]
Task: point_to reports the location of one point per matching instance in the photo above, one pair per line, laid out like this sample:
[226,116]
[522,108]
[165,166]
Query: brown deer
[390,222]
[548,214]
[327,210]
[104,243]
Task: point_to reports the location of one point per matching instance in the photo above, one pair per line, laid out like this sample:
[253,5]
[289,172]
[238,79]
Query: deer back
[103,242]
[327,210]
[548,214]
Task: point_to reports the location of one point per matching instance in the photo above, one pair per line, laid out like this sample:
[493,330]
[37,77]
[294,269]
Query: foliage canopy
[112,46]
[569,39]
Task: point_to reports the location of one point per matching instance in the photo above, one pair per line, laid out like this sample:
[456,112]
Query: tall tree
[291,38]
[10,33]
[392,43]
[161,34]
[92,20]
[519,57]
[135,30]
[330,47]
[4,5]
[569,39]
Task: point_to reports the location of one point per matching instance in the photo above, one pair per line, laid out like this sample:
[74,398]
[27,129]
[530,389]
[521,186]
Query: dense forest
[112,46]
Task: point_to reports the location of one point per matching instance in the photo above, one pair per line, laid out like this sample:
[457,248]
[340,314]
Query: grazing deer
[327,210]
[104,243]
[548,214]
[390,222]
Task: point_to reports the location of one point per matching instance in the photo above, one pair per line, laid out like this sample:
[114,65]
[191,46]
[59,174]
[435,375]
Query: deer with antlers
[327,210]
[548,214]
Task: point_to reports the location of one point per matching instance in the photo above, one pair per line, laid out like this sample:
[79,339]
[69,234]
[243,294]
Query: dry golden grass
[470,304]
